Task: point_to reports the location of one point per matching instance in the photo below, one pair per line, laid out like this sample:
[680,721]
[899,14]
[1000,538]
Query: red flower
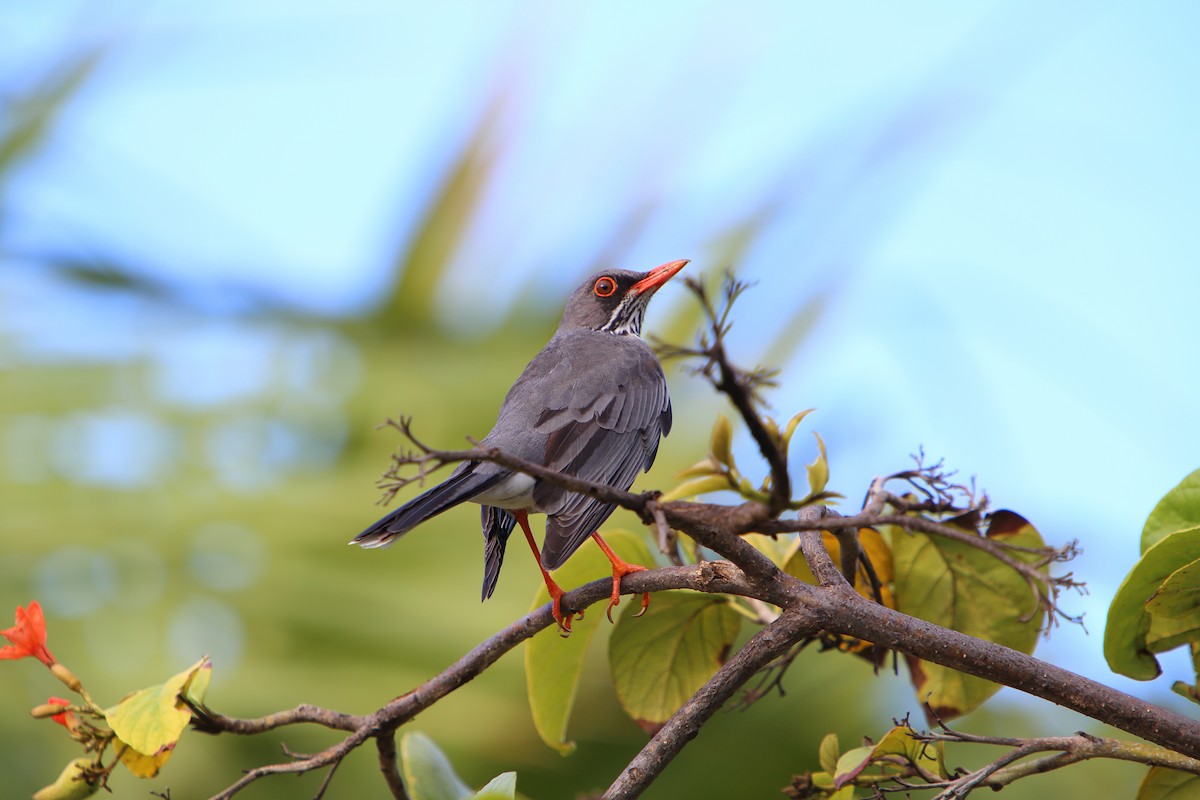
[66,718]
[28,636]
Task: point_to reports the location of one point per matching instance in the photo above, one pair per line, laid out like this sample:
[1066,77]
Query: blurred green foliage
[193,492]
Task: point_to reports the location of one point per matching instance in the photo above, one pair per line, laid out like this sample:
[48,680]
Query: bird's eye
[604,287]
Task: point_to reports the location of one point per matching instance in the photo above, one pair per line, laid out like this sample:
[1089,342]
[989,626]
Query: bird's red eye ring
[605,287]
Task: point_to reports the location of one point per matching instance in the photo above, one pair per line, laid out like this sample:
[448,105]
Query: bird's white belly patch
[515,491]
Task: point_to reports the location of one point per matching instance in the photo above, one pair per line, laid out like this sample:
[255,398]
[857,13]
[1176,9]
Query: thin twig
[668,542]
[740,386]
[385,743]
[1065,750]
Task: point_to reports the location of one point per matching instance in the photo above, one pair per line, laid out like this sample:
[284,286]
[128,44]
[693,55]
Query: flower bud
[47,710]
[66,676]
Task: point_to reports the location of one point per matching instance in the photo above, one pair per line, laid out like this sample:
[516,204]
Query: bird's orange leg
[621,568]
[556,592]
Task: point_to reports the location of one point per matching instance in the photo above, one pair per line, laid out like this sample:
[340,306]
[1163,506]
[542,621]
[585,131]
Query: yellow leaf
[873,545]
[141,765]
[829,753]
[769,547]
[151,720]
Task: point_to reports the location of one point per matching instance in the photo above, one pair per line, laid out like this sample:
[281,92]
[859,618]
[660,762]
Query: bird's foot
[621,568]
[562,620]
[620,571]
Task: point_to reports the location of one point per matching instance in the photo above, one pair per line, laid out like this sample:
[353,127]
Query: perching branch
[747,518]
[716,577]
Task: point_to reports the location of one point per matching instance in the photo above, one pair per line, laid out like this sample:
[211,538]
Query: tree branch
[710,576]
[845,611]
[385,743]
[1066,750]
[206,720]
[768,644]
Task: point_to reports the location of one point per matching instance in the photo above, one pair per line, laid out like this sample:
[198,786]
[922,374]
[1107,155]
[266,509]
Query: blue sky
[1000,199]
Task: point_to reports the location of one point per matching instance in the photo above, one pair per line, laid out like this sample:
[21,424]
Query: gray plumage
[592,404]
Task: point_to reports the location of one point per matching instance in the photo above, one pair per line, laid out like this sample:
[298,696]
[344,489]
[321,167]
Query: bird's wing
[604,417]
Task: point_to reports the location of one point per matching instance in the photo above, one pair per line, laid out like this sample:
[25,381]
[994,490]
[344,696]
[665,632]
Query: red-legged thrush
[592,404]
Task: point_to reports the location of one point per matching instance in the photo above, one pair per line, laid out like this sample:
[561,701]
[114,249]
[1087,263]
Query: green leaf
[961,587]
[1179,595]
[71,784]
[1179,509]
[501,787]
[795,421]
[553,664]
[696,486]
[721,441]
[1175,610]
[929,757]
[1161,783]
[427,772]
[1127,631]
[851,764]
[701,469]
[660,659]
[899,741]
[818,470]
[1182,689]
[829,752]
[150,721]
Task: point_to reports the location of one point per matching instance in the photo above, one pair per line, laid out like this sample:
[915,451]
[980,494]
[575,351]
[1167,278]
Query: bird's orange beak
[658,276]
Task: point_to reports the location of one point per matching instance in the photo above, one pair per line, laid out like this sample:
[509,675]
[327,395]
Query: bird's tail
[459,487]
[497,525]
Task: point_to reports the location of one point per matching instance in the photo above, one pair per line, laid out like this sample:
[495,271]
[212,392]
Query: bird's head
[615,300]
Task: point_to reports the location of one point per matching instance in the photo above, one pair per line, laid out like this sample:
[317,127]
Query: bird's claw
[620,572]
[563,620]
